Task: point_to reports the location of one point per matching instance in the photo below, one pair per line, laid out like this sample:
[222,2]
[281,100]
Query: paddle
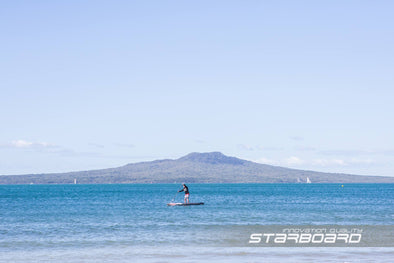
[175,195]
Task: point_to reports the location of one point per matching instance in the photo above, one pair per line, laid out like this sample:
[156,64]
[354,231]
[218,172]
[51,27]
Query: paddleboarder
[186,190]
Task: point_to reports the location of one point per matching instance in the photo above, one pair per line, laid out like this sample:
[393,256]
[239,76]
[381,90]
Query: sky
[98,84]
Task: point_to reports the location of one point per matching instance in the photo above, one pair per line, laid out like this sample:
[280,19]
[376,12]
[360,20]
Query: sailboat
[308,181]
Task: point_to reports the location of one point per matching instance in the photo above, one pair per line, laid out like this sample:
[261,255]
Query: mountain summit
[212,167]
[212,158]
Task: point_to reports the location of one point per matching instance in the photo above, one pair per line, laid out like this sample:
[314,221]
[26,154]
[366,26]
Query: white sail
[308,181]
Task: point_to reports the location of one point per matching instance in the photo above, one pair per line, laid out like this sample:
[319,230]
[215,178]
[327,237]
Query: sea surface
[132,222]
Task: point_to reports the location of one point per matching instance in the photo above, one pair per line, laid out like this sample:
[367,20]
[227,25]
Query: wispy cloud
[341,162]
[23,144]
[125,145]
[293,160]
[320,162]
[290,161]
[97,145]
[264,160]
[247,147]
[328,162]
[305,148]
[342,152]
[297,138]
[45,148]
[356,152]
[362,161]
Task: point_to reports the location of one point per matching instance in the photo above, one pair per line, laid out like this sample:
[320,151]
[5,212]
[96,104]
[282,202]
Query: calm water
[114,223]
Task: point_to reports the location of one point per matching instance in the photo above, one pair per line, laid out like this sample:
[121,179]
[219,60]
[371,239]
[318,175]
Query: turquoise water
[67,218]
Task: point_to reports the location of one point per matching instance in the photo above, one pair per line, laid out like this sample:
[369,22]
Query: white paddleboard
[183,204]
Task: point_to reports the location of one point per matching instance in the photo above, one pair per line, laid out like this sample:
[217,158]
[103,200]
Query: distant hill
[213,167]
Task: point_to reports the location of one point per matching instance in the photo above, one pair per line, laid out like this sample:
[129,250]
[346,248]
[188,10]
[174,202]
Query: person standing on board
[186,190]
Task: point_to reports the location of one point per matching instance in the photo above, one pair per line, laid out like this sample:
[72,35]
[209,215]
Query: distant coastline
[212,167]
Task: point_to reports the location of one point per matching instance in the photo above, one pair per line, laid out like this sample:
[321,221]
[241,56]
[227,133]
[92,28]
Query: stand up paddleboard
[183,204]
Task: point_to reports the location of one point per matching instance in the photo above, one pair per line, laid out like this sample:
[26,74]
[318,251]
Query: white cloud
[97,145]
[246,147]
[328,162]
[293,160]
[305,148]
[297,138]
[125,145]
[27,144]
[264,160]
[361,161]
[21,144]
[348,153]
[340,162]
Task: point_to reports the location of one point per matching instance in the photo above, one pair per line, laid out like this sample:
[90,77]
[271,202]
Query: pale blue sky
[98,84]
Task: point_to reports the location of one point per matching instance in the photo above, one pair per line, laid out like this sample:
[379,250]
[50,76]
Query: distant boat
[308,181]
[75,181]
[298,180]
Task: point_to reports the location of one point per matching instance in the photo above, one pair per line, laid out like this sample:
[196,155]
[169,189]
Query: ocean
[132,223]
